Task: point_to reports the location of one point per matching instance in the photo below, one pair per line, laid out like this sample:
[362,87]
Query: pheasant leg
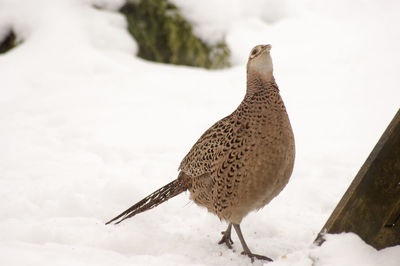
[246,250]
[226,237]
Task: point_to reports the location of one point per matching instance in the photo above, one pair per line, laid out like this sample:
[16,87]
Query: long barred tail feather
[179,185]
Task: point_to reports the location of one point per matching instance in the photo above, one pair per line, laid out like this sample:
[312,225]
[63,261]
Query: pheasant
[241,162]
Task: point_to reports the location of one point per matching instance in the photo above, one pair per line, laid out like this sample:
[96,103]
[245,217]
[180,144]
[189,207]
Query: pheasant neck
[257,82]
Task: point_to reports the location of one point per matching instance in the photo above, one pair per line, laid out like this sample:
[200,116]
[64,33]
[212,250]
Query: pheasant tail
[179,185]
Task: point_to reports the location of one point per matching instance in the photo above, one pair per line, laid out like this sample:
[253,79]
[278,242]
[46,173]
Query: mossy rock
[8,42]
[163,35]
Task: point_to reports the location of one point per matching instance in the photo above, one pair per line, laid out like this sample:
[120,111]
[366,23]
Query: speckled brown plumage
[243,161]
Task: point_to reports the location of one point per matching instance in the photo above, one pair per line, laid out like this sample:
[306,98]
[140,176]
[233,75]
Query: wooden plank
[371,205]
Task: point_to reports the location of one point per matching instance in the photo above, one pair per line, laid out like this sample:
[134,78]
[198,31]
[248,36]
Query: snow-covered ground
[87,129]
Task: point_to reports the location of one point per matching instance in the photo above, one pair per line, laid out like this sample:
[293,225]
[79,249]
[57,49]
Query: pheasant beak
[266,48]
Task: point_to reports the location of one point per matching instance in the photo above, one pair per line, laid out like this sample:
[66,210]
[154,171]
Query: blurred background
[101,99]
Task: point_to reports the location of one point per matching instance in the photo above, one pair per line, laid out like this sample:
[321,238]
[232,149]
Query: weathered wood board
[371,205]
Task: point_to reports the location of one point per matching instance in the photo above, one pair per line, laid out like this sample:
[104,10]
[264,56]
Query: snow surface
[87,129]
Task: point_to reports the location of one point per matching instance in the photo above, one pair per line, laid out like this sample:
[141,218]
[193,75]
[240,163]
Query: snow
[87,129]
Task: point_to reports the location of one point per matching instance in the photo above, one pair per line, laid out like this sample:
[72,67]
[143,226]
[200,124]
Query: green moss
[9,42]
[163,35]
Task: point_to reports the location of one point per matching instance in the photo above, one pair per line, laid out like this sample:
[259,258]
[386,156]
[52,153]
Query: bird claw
[226,239]
[252,256]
